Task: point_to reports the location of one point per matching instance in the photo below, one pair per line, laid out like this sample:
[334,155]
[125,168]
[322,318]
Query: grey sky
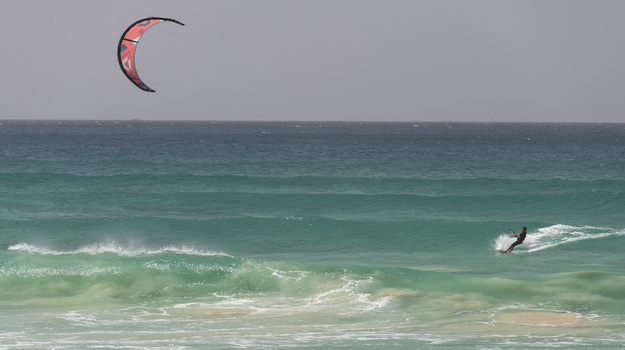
[349,60]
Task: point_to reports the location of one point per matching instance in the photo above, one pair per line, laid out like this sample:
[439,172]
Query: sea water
[244,235]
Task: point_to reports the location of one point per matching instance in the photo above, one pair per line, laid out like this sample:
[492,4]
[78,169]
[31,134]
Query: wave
[115,248]
[555,235]
[189,282]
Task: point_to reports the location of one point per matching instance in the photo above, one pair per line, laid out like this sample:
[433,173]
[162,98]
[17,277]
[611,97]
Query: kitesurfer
[519,240]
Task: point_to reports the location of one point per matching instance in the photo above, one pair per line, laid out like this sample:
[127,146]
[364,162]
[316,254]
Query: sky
[318,60]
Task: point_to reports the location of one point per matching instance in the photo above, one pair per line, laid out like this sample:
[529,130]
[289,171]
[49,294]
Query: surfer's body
[519,240]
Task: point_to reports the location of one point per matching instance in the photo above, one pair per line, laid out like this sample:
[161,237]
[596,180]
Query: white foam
[503,242]
[349,294]
[548,237]
[555,235]
[25,247]
[115,248]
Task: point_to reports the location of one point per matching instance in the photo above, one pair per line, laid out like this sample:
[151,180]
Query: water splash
[555,235]
[548,237]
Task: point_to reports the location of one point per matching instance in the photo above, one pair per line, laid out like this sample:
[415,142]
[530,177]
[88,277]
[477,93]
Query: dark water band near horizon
[315,235]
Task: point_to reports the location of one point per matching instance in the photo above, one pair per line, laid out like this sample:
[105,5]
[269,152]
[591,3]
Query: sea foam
[114,248]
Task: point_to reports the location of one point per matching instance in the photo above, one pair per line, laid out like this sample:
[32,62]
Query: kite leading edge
[128,45]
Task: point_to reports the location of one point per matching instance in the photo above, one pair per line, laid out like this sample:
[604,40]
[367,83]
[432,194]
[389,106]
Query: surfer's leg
[511,247]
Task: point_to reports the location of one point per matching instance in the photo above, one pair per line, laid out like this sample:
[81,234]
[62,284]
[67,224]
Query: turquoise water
[196,235]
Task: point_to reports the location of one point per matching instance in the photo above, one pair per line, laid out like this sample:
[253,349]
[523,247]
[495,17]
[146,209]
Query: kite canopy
[128,45]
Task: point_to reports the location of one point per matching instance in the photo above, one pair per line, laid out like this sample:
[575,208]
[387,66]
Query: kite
[128,45]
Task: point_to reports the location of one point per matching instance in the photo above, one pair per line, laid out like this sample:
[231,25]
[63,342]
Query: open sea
[286,235]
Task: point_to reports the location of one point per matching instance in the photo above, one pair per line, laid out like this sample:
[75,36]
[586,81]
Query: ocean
[311,235]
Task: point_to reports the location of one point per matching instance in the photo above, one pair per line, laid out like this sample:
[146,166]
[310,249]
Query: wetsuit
[520,239]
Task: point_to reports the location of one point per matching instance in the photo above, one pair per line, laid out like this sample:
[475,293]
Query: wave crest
[113,248]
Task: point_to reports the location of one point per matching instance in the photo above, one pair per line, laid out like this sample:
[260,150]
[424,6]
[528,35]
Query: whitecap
[114,248]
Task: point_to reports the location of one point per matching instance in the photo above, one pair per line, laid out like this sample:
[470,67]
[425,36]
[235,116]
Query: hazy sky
[347,60]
